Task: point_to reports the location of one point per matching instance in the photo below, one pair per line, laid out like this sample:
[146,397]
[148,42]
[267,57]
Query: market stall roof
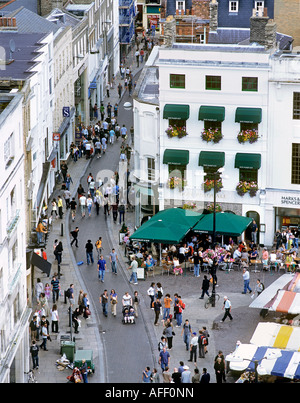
[283,295]
[286,365]
[167,226]
[276,335]
[226,224]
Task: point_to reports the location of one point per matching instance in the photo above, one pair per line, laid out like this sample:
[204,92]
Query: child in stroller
[128,314]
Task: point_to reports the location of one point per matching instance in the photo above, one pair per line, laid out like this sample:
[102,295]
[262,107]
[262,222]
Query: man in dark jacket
[34,351]
[205,287]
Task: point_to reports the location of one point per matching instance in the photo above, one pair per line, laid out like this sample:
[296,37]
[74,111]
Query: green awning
[211,159]
[212,113]
[172,111]
[176,157]
[247,161]
[248,115]
[226,224]
[167,226]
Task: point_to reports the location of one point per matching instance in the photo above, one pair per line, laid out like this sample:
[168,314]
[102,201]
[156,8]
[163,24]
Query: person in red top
[44,254]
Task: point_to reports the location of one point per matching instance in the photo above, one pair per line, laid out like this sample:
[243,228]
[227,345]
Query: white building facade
[233,90]
[14,311]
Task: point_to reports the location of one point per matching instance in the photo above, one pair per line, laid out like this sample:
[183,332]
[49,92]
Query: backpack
[203,341]
[68,293]
[182,304]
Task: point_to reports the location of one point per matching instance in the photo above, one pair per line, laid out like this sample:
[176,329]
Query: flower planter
[250,136]
[213,135]
[209,185]
[244,187]
[210,207]
[174,131]
[176,182]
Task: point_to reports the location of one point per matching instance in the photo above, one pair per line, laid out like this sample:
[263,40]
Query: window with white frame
[151,169]
[233,6]
[259,5]
[9,150]
[180,5]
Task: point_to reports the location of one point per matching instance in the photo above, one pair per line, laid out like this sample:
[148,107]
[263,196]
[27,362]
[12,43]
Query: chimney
[213,9]
[169,31]
[262,29]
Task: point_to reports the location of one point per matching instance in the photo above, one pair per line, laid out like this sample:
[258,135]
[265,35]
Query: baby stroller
[128,314]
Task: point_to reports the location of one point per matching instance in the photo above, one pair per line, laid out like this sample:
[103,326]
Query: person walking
[186,332]
[164,358]
[205,287]
[98,245]
[73,206]
[82,202]
[103,299]
[151,293]
[34,351]
[246,278]
[55,319]
[157,306]
[101,268]
[133,267]
[55,286]
[113,257]
[169,333]
[74,234]
[44,337]
[201,343]
[121,210]
[41,230]
[58,256]
[146,378]
[113,302]
[227,308]
[193,347]
[205,377]
[167,306]
[89,252]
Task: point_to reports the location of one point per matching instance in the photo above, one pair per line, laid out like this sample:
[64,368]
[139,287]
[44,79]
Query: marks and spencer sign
[290,200]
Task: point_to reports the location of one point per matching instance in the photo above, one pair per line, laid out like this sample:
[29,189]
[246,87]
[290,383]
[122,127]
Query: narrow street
[122,343]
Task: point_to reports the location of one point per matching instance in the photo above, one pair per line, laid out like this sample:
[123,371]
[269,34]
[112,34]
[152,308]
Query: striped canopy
[287,365]
[276,335]
[281,296]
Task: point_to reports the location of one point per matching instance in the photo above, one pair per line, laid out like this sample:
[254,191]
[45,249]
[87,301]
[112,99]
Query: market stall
[276,335]
[262,361]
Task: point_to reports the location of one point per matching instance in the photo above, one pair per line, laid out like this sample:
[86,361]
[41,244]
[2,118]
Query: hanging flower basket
[210,207]
[213,135]
[247,187]
[247,135]
[209,185]
[189,206]
[176,182]
[174,131]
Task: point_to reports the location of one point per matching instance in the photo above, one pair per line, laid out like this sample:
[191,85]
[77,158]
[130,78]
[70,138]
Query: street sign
[66,111]
[56,136]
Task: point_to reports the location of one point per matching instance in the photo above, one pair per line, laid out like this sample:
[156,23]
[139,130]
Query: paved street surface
[121,352]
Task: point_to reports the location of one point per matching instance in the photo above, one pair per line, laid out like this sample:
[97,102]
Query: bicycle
[209,301]
[31,377]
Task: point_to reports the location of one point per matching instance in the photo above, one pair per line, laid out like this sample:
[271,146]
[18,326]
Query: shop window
[178,171]
[177,122]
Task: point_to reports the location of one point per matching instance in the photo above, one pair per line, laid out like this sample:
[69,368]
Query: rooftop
[24,58]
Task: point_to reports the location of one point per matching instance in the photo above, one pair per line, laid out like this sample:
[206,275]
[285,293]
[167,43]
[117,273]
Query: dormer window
[233,6]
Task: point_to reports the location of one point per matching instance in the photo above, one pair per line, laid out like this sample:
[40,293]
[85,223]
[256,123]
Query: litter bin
[68,348]
[88,356]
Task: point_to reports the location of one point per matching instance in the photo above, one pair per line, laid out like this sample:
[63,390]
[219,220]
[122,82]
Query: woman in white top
[55,319]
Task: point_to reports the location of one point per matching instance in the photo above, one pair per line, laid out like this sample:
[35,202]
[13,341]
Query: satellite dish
[12,48]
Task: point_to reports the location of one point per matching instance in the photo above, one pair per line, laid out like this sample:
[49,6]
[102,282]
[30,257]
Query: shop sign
[290,200]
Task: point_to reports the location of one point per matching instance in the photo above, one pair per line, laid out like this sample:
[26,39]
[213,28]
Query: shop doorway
[255,217]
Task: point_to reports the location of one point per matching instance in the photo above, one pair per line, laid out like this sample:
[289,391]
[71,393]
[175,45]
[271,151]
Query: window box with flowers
[249,135]
[189,206]
[210,207]
[244,187]
[176,131]
[209,185]
[176,182]
[211,134]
